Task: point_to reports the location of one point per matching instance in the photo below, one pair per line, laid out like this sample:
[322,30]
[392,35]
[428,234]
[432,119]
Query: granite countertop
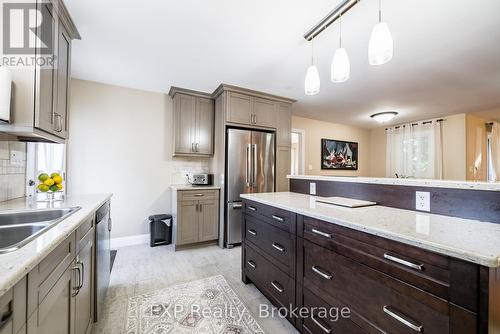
[15,265]
[466,239]
[180,187]
[489,186]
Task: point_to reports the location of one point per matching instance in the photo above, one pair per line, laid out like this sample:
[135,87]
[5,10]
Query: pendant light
[340,68]
[380,48]
[312,83]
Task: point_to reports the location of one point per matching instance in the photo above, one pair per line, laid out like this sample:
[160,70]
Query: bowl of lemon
[50,183]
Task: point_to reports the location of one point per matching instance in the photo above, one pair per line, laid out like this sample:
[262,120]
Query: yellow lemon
[43,188]
[53,175]
[59,186]
[42,177]
[57,179]
[48,182]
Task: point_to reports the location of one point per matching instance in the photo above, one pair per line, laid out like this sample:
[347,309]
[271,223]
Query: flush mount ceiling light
[383,117]
[341,68]
[380,47]
[312,82]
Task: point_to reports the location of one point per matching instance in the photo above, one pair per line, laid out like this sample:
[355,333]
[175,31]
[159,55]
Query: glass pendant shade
[380,48]
[341,67]
[312,82]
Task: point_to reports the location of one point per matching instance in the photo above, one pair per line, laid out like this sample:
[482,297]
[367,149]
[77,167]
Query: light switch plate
[312,188]
[423,201]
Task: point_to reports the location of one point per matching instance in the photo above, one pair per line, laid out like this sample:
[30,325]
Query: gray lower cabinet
[196,216]
[60,288]
[193,123]
[13,310]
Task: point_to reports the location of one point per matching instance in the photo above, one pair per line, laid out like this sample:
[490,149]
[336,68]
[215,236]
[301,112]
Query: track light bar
[341,9]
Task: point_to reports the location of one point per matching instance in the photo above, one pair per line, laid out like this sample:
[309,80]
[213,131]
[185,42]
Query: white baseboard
[129,241]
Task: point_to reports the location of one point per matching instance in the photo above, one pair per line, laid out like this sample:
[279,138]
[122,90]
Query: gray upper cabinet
[264,112]
[193,123]
[284,125]
[240,109]
[40,98]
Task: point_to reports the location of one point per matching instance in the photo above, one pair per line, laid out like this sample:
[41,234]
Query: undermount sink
[17,228]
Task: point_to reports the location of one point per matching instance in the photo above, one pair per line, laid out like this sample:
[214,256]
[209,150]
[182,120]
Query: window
[415,151]
[44,158]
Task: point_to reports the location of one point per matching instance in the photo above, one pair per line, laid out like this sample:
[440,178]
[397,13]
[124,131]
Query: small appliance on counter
[203,179]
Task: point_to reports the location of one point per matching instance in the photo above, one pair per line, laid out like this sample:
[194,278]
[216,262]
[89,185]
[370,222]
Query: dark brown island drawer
[276,285]
[275,242]
[319,321]
[448,278]
[279,218]
[386,302]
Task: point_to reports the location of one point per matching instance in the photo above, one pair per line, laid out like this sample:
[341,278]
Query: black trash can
[160,229]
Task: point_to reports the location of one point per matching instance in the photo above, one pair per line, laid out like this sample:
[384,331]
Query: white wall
[120,142]
[316,130]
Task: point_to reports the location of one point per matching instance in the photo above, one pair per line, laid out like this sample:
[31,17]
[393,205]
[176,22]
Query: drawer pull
[278,218]
[404,262]
[320,325]
[199,195]
[323,234]
[278,247]
[277,286]
[399,317]
[252,232]
[252,264]
[320,272]
[251,208]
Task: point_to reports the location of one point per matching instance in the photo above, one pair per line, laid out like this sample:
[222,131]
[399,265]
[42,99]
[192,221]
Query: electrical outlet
[423,201]
[16,158]
[310,167]
[312,188]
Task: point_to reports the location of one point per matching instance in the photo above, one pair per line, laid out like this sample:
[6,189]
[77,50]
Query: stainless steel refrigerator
[250,160]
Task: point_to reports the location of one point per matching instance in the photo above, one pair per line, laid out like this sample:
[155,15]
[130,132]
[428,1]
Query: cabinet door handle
[278,247]
[6,316]
[401,318]
[76,288]
[323,234]
[320,272]
[320,325]
[251,208]
[196,207]
[199,195]
[252,232]
[192,147]
[252,264]
[277,286]
[196,147]
[404,262]
[82,274]
[278,218]
[58,121]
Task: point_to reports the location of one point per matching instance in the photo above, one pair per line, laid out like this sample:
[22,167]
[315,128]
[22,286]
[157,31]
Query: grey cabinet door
[184,124]
[209,220]
[283,166]
[240,109]
[84,299]
[55,314]
[46,76]
[62,82]
[264,113]
[204,132]
[284,125]
[187,223]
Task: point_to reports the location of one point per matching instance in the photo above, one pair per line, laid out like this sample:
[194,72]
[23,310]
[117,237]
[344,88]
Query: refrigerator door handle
[248,166]
[254,171]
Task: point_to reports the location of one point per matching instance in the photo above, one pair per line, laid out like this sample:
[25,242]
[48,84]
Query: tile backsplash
[183,167]
[12,170]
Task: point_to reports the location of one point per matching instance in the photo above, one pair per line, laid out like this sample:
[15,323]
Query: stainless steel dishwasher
[103,257]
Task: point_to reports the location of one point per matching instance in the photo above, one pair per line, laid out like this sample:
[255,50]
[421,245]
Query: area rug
[205,306]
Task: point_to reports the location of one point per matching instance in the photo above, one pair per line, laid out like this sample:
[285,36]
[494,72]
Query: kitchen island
[396,270]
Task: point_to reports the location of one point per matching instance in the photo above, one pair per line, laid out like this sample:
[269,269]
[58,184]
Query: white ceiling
[446,53]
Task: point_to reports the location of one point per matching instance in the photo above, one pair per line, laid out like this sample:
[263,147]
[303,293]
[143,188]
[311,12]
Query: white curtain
[495,152]
[415,151]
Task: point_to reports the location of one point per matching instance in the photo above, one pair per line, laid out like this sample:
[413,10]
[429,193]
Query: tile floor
[141,269]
